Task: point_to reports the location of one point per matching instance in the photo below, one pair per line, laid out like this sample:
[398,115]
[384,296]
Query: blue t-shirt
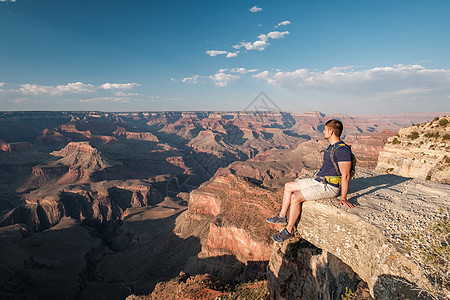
[342,153]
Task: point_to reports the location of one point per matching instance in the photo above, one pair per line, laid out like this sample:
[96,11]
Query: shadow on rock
[374,183]
[300,270]
[72,261]
[45,265]
[228,268]
[395,287]
[145,252]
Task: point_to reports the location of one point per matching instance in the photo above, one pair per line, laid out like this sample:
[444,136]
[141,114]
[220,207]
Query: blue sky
[355,57]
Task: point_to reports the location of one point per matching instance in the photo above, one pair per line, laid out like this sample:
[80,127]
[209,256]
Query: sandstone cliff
[367,238]
[419,151]
[226,212]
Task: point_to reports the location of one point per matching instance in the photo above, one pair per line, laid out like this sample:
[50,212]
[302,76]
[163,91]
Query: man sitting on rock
[326,184]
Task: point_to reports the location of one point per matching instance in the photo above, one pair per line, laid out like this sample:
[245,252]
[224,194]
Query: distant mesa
[81,155]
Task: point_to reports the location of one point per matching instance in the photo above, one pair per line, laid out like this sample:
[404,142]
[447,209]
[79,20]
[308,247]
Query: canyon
[113,204]
[421,151]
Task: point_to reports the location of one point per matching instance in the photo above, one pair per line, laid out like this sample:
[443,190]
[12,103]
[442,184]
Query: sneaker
[282,236]
[277,220]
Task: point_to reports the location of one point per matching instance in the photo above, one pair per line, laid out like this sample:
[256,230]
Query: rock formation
[368,238]
[226,212]
[419,151]
[121,183]
[300,270]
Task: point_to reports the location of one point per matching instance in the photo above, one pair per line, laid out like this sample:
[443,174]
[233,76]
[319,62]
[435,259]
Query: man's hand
[346,203]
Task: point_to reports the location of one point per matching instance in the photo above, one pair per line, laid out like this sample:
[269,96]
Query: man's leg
[295,204]
[296,200]
[289,189]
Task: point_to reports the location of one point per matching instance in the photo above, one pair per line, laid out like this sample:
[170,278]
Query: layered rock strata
[235,238]
[94,204]
[419,151]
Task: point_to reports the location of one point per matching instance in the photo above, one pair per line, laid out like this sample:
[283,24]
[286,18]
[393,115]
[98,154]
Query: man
[327,184]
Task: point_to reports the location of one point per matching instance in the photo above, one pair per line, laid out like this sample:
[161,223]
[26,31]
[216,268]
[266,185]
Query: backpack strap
[332,156]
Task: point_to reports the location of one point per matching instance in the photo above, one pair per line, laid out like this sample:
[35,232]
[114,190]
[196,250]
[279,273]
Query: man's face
[327,133]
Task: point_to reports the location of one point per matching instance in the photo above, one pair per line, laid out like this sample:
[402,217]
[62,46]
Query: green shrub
[432,135]
[413,135]
[395,141]
[255,290]
[443,122]
[446,136]
[446,159]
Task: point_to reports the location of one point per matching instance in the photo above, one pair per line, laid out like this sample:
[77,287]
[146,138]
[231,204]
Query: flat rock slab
[368,237]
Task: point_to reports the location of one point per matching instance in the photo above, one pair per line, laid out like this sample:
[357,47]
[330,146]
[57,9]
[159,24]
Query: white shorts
[312,189]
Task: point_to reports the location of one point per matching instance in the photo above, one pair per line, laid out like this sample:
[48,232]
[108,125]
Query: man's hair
[335,126]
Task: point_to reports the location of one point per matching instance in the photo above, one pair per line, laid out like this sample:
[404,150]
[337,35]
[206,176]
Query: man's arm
[344,167]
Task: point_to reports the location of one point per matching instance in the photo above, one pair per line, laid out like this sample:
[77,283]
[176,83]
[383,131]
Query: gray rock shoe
[277,220]
[282,236]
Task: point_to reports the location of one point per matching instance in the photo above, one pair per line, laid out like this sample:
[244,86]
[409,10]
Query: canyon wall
[419,151]
[235,238]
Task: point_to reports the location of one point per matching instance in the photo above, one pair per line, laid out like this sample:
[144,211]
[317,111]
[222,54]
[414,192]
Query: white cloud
[241,70]
[174,99]
[193,79]
[76,88]
[216,52]
[118,86]
[2,84]
[123,94]
[383,82]
[71,88]
[255,9]
[277,35]
[221,52]
[284,23]
[106,99]
[222,79]
[7,0]
[262,42]
[259,45]
[19,100]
